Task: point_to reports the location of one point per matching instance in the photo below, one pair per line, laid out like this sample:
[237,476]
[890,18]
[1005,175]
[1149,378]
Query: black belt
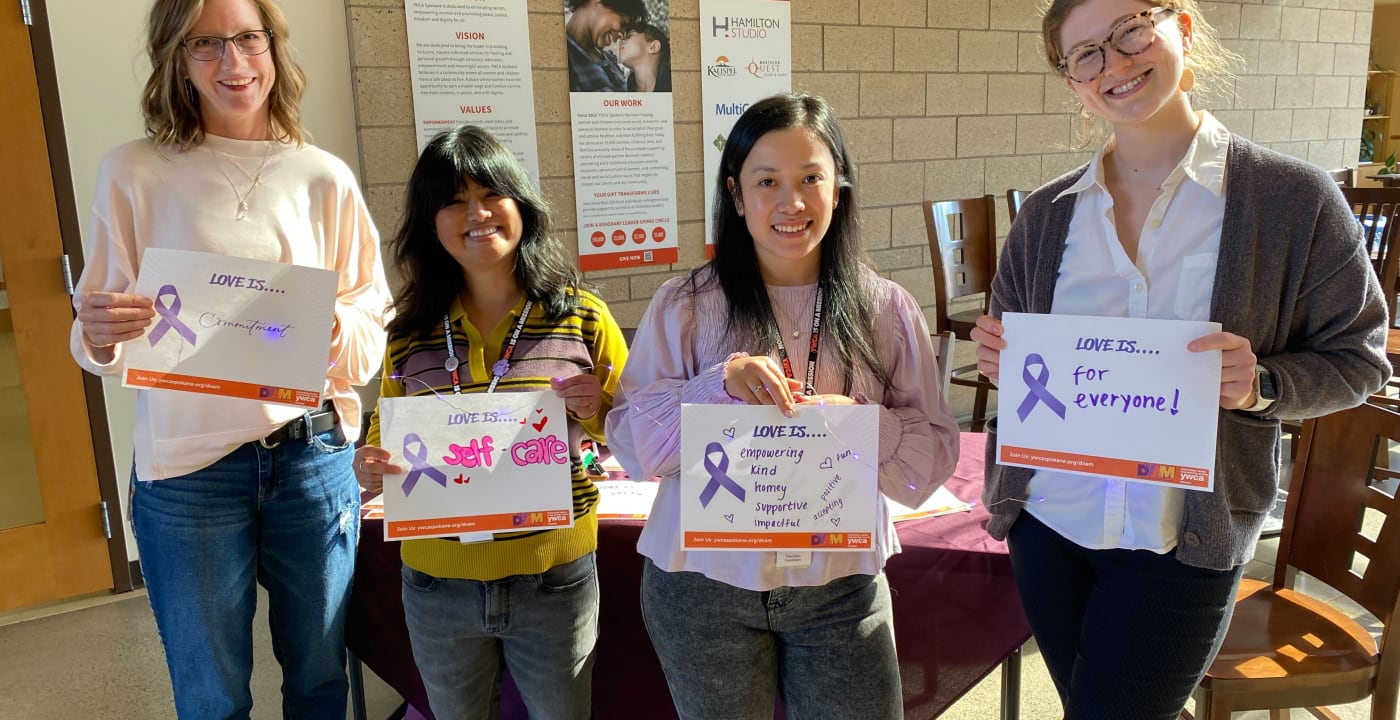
[311,424]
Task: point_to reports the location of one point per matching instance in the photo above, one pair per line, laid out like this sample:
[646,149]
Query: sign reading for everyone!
[476,463]
[1118,397]
[752,479]
[234,327]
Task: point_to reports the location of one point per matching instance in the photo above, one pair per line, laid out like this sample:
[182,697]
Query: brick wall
[939,99]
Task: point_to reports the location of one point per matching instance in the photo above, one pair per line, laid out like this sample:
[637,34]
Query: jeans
[286,518]
[727,651]
[1126,634]
[544,627]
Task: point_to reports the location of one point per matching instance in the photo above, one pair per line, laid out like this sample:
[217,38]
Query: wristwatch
[1265,391]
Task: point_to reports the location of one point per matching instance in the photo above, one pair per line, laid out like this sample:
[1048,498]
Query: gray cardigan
[1292,277]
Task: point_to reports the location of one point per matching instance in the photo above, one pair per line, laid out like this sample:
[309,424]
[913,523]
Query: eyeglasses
[208,47]
[1084,63]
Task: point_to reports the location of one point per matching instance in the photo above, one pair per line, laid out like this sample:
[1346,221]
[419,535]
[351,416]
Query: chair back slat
[1014,199]
[962,242]
[1343,521]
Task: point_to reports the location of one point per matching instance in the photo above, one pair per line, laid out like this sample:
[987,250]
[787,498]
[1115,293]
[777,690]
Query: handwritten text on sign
[234,327]
[475,463]
[752,479]
[1120,397]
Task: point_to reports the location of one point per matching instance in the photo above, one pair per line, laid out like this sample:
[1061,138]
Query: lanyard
[501,367]
[810,388]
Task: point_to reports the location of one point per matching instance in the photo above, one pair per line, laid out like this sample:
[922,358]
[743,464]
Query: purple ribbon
[170,317]
[1038,392]
[418,459]
[717,476]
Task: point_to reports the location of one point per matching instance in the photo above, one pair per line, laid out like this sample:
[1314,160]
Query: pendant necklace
[255,177]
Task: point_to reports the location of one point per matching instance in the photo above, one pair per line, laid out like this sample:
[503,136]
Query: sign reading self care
[1118,397]
[753,479]
[475,463]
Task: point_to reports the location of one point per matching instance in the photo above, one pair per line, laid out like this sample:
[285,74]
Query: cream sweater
[306,210]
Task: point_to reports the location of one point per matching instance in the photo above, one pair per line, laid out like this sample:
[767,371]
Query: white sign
[624,139]
[1117,397]
[752,479]
[625,499]
[470,64]
[475,463]
[745,56]
[233,327]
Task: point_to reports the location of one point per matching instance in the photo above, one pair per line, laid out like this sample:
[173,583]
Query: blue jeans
[727,651]
[1124,633]
[543,626]
[287,518]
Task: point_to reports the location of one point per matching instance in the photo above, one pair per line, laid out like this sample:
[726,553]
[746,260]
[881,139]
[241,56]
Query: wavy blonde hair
[170,104]
[1212,64]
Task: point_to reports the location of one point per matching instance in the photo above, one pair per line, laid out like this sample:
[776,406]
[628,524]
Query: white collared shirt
[1173,278]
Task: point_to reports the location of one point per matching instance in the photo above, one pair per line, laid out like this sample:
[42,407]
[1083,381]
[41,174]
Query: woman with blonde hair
[1129,587]
[231,493]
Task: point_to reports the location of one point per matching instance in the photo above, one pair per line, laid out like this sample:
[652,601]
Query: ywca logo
[765,68]
[722,68]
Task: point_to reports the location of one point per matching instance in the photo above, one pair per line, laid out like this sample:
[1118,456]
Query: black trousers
[1126,634]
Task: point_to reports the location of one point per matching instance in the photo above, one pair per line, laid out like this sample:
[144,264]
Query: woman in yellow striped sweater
[484,281]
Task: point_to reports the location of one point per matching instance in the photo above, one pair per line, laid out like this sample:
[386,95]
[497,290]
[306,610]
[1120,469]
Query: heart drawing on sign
[460,480]
[826,464]
[729,433]
[539,426]
[539,411]
[836,521]
[730,518]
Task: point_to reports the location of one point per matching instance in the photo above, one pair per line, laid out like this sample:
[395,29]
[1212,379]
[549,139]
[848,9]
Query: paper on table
[625,499]
[943,502]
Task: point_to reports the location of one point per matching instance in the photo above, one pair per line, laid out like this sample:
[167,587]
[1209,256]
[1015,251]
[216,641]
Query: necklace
[255,177]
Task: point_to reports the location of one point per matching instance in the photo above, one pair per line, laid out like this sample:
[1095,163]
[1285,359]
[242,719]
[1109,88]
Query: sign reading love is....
[752,479]
[1117,397]
[476,463]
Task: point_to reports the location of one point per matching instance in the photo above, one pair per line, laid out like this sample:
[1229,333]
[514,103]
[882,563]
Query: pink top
[679,355]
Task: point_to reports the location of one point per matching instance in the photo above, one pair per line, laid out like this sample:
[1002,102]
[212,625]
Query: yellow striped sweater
[588,340]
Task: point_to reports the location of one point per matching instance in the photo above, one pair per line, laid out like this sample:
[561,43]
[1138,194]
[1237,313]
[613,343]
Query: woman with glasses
[1129,587]
[230,493]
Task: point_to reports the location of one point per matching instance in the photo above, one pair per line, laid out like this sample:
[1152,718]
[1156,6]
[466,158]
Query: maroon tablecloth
[957,613]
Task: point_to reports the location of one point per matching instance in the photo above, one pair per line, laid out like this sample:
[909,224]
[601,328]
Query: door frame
[126,573]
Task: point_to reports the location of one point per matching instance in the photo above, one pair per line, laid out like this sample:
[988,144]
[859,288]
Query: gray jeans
[728,652]
[543,626]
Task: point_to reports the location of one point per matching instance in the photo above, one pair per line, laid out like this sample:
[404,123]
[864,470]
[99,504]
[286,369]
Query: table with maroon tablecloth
[957,613]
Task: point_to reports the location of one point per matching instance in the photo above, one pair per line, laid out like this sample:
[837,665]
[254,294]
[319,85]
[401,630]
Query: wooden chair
[1285,649]
[1378,210]
[1343,177]
[1014,198]
[962,239]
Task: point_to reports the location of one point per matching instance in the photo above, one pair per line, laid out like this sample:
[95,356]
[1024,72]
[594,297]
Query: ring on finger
[756,389]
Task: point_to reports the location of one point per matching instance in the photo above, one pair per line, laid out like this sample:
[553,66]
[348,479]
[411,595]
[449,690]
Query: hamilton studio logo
[722,68]
[765,68]
[743,27]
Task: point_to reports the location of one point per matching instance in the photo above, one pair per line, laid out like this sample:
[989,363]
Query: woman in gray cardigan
[1129,587]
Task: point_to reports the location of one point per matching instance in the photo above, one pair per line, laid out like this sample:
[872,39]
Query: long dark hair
[846,317]
[432,279]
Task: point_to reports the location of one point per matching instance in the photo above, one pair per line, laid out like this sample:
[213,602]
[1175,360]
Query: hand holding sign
[1237,362]
[111,318]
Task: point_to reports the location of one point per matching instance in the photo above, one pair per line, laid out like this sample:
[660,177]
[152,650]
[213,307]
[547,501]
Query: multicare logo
[721,68]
